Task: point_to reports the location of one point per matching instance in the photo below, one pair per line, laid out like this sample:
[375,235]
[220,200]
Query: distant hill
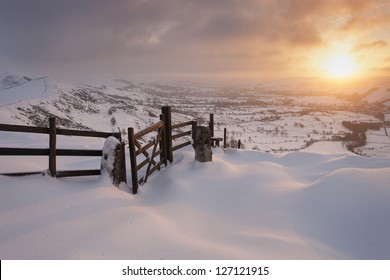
[9,81]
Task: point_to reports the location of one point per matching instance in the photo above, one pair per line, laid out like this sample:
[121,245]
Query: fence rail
[52,152]
[183,134]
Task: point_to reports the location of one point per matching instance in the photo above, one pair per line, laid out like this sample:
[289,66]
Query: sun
[340,66]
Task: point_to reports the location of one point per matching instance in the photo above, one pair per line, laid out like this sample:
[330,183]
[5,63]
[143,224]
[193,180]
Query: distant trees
[358,137]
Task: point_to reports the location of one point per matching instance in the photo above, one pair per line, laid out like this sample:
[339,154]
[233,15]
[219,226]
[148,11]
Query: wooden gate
[138,149]
[161,145]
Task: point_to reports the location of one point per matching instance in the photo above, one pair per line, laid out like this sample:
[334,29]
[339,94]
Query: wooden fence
[52,152]
[162,145]
[163,140]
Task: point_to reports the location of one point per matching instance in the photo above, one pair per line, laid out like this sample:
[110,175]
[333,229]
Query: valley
[264,117]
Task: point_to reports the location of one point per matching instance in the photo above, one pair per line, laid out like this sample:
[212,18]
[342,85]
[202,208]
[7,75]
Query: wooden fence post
[166,111]
[211,125]
[193,129]
[52,146]
[224,137]
[123,162]
[133,160]
[163,155]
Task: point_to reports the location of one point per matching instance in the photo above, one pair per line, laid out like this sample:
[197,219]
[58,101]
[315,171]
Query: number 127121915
[234,270]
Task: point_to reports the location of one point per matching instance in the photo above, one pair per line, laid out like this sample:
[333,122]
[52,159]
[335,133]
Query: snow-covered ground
[323,203]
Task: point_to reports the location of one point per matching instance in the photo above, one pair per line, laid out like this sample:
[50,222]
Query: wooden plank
[76,173]
[224,138]
[151,160]
[149,129]
[211,125]
[144,149]
[163,155]
[17,174]
[193,128]
[182,134]
[133,160]
[142,164]
[60,131]
[166,111]
[52,146]
[23,128]
[23,152]
[145,153]
[45,152]
[83,133]
[177,147]
[123,162]
[158,152]
[87,153]
[150,172]
[179,125]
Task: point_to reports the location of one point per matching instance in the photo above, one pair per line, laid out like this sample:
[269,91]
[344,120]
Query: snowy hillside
[278,116]
[8,80]
[28,90]
[379,95]
[243,205]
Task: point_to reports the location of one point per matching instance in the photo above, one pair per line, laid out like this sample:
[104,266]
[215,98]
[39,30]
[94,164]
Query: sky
[195,38]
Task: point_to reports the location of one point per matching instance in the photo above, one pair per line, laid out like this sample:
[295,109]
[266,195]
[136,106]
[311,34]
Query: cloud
[177,35]
[370,46]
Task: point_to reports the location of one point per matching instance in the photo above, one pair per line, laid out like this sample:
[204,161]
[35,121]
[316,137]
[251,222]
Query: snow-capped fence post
[202,144]
[112,159]
[166,111]
[52,146]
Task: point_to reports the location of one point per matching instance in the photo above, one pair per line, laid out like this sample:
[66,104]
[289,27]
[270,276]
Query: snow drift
[243,205]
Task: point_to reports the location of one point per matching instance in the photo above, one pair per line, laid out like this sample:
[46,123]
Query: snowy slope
[28,90]
[11,80]
[381,94]
[77,106]
[243,205]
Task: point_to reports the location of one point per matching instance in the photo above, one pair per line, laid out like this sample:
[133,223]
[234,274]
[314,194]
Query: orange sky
[221,38]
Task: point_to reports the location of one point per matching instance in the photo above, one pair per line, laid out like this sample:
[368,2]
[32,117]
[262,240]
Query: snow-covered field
[273,200]
[323,203]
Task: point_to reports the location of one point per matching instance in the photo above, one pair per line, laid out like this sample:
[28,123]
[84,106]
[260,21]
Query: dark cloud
[173,35]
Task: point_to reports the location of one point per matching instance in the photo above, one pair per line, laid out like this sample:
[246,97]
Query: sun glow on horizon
[340,66]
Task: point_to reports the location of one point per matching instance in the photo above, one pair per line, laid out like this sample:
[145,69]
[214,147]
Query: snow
[313,204]
[379,95]
[109,152]
[34,89]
